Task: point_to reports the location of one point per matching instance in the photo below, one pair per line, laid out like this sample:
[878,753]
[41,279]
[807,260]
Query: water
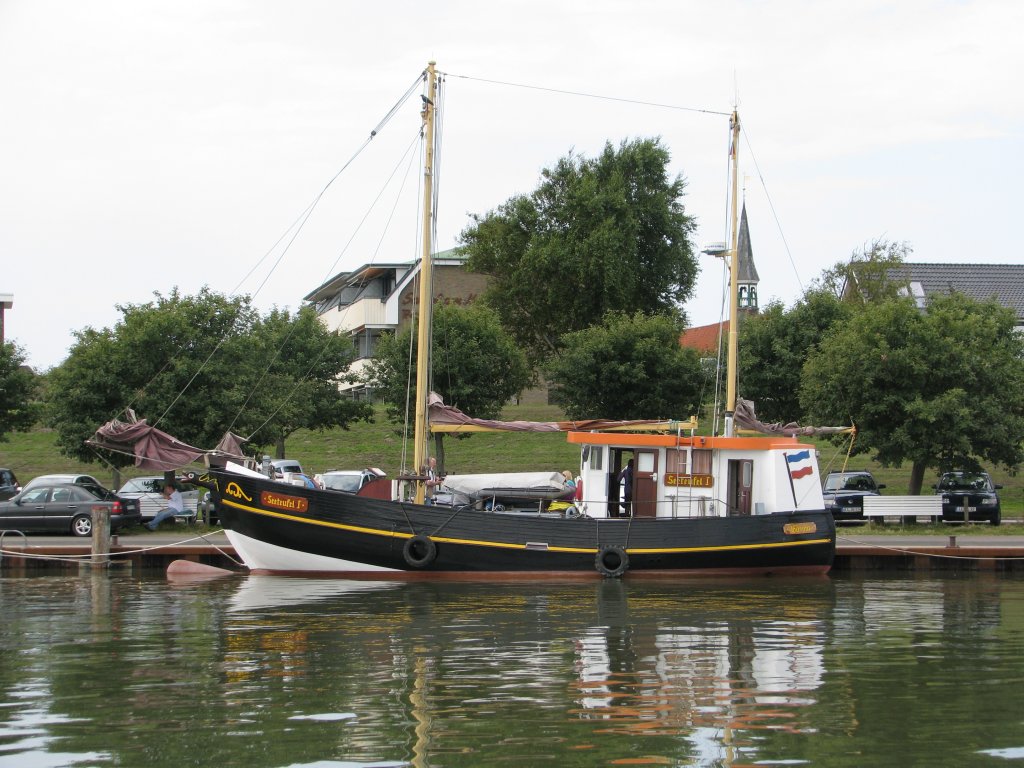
[121,670]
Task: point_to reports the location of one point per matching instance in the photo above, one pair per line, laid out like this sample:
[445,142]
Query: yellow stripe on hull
[501,545]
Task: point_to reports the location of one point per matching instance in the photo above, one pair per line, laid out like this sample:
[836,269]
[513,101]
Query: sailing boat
[732,504]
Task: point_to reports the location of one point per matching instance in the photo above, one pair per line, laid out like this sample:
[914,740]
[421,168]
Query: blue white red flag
[799,464]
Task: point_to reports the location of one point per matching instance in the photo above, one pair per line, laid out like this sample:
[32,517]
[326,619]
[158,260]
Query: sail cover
[154,449]
[745,418]
[447,418]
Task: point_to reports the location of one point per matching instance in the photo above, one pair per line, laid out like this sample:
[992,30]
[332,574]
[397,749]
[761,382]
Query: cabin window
[645,461]
[596,457]
[701,461]
[675,462]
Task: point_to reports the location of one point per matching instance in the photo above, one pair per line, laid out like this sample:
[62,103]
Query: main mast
[732,367]
[421,430]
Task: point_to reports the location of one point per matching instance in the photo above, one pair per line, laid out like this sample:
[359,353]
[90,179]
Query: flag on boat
[799,464]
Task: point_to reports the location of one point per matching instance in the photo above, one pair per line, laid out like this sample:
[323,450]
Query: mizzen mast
[732,367]
[423,337]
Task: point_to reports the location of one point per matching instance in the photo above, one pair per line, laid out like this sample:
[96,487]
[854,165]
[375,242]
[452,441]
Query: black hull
[280,528]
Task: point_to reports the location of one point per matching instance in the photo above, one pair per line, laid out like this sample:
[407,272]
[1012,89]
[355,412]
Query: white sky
[147,145]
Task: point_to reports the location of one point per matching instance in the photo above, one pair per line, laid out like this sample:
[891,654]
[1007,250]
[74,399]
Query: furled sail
[154,449]
[745,418]
[447,418]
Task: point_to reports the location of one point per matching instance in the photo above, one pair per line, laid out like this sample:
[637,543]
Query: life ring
[611,561]
[419,551]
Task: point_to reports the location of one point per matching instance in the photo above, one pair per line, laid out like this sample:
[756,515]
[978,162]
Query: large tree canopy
[197,366]
[597,235]
[775,344]
[629,367]
[938,387]
[19,408]
[475,364]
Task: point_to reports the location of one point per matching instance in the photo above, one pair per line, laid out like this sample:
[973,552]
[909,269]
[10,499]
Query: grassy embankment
[378,445]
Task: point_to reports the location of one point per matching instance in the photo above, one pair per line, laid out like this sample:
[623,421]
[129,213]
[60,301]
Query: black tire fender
[611,561]
[419,551]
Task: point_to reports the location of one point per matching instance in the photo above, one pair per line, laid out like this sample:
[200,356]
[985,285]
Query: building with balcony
[381,297]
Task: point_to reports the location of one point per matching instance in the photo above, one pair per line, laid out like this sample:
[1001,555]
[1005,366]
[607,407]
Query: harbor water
[124,669]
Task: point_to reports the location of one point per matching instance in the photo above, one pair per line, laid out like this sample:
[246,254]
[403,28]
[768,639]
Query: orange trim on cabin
[697,441]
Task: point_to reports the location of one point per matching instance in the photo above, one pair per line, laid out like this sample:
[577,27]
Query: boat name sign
[280,501]
[674,480]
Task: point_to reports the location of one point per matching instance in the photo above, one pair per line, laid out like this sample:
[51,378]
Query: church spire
[746,277]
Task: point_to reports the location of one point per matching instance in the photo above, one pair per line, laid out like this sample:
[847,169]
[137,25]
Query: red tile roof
[704,338]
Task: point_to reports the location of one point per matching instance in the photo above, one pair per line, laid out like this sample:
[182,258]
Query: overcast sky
[152,145]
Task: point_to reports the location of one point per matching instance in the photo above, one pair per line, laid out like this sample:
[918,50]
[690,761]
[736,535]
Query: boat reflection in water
[699,668]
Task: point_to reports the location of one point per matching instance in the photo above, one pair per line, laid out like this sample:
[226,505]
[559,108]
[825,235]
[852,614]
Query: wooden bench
[881,507]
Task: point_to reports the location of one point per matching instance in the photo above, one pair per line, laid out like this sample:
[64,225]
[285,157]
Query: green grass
[378,445]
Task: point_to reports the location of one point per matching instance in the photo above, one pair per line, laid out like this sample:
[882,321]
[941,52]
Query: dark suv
[8,483]
[969,496]
[844,494]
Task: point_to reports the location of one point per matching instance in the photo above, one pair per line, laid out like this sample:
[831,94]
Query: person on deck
[568,486]
[431,482]
[626,478]
[175,506]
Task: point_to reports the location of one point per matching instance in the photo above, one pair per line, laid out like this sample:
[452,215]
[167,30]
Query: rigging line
[590,95]
[366,215]
[304,216]
[438,156]
[408,153]
[771,206]
[414,288]
[387,225]
[296,227]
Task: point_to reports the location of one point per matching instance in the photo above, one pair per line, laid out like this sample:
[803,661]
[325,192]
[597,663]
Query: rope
[122,552]
[589,95]
[294,229]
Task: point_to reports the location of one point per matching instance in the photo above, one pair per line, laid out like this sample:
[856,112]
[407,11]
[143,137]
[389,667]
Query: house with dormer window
[982,282]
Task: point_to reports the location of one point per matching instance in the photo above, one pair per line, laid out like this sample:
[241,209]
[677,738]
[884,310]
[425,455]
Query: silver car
[149,492]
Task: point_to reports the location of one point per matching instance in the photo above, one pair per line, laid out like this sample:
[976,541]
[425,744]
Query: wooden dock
[42,554]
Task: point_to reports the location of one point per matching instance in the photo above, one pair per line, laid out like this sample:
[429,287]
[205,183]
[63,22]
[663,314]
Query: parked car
[285,465]
[969,496]
[90,483]
[844,494]
[54,507]
[347,481]
[149,492]
[9,484]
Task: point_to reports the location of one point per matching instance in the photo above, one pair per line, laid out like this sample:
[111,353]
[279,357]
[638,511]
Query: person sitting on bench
[175,506]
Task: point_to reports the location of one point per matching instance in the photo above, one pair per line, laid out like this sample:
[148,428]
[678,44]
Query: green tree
[775,344]
[942,385]
[629,367]
[19,408]
[197,366]
[597,235]
[298,389]
[475,365]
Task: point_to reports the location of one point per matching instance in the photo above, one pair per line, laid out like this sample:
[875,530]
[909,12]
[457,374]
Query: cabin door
[741,481]
[645,484]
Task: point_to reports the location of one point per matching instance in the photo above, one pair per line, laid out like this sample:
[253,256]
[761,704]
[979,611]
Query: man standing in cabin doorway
[626,480]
